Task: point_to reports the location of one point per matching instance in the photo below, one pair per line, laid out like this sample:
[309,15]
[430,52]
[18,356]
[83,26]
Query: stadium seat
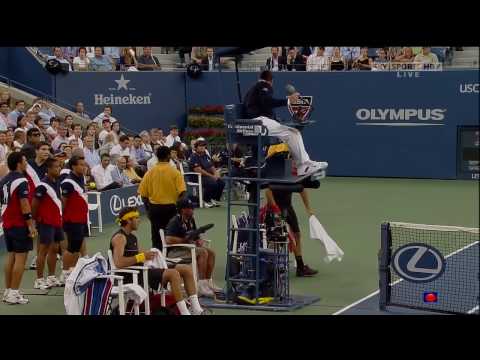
[196,185]
[96,206]
[178,260]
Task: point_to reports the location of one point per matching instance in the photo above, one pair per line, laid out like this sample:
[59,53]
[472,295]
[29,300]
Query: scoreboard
[468,149]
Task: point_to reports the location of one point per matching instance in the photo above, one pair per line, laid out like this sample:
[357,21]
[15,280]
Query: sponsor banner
[378,124]
[112,201]
[140,100]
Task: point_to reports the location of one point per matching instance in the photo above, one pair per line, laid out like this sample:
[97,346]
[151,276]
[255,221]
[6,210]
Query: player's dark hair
[124,211]
[266,75]
[19,118]
[50,162]
[42,143]
[123,138]
[104,155]
[163,153]
[32,131]
[14,159]
[74,160]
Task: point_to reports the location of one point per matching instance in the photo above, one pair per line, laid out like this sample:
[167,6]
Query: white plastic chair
[195,185]
[96,206]
[134,270]
[117,291]
[177,260]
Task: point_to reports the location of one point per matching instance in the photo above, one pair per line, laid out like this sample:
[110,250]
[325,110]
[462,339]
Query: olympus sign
[117,203]
[126,99]
[401,117]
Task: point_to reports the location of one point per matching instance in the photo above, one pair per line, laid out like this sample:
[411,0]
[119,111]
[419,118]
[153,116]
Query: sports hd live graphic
[418,263]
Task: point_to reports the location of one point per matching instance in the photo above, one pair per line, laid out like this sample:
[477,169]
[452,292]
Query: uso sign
[112,201]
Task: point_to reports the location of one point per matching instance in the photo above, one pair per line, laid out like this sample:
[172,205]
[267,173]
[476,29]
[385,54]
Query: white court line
[396,282]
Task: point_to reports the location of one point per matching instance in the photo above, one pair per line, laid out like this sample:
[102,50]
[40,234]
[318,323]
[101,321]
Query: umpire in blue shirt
[213,185]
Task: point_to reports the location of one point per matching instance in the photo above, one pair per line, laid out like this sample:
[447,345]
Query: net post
[384,266]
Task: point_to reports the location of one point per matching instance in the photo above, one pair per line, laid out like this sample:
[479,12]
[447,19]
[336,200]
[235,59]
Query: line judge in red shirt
[75,212]
[47,211]
[18,227]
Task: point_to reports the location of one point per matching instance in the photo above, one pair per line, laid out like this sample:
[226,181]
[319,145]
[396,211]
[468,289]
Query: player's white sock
[196,308]
[182,307]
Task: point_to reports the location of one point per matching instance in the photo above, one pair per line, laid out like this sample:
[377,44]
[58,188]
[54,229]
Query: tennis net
[429,267]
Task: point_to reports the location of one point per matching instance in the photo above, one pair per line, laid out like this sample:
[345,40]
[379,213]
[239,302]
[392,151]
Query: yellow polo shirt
[162,184]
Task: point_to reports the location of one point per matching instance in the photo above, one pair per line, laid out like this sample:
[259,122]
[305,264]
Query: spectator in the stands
[121,149]
[306,51]
[9,140]
[53,128]
[33,138]
[100,62]
[153,160]
[69,53]
[91,155]
[350,54]
[13,116]
[426,59]
[106,114]
[146,144]
[77,134]
[68,122]
[81,62]
[275,62]
[406,57]
[60,138]
[45,112]
[107,145]
[4,110]
[3,149]
[19,139]
[130,171]
[381,61]
[198,54]
[118,174]
[114,54]
[213,185]
[92,132]
[211,61]
[80,110]
[22,124]
[173,136]
[117,132]
[295,61]
[137,151]
[363,62]
[5,97]
[156,136]
[58,55]
[128,59]
[318,61]
[30,117]
[106,130]
[147,61]
[102,173]
[337,62]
